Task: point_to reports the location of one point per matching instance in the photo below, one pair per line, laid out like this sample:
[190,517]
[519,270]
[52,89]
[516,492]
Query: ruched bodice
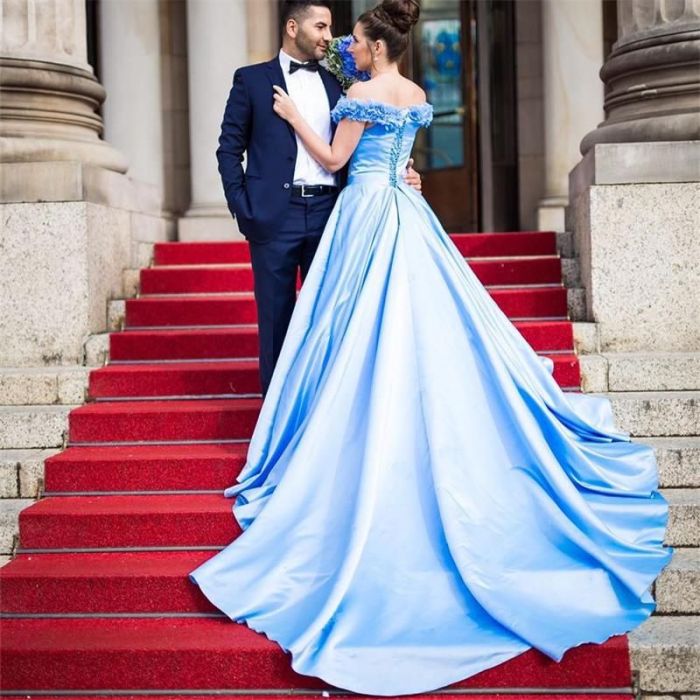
[385,146]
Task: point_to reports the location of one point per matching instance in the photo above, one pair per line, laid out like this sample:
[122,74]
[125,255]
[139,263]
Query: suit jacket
[259,197]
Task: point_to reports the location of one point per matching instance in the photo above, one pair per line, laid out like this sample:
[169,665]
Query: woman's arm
[331,156]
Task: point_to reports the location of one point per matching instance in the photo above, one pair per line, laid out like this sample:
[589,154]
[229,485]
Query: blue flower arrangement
[341,64]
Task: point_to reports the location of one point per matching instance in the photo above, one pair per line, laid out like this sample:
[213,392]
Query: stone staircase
[656,397]
[103,544]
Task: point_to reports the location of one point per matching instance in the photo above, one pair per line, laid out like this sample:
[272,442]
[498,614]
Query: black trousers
[276,263]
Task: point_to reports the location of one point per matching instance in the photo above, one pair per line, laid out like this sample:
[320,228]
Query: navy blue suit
[282,231]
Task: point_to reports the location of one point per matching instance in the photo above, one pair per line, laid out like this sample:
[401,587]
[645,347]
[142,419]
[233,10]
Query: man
[283,200]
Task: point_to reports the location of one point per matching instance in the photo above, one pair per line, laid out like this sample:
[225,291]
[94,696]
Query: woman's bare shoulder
[403,92]
[417,93]
[363,90]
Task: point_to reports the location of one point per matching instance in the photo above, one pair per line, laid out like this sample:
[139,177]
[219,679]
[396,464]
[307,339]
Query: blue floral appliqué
[381,112]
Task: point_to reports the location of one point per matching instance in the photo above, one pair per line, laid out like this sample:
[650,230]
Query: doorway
[463,55]
[443,62]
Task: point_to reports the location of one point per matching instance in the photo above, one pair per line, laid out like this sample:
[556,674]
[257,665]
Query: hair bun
[403,14]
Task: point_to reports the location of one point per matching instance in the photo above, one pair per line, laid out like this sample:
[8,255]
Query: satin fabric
[420,500]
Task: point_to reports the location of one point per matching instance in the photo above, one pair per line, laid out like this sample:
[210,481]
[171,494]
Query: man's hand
[412,177]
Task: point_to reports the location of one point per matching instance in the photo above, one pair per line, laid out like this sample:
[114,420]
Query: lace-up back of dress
[386,144]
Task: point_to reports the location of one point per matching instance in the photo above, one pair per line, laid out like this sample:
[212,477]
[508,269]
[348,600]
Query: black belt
[313,190]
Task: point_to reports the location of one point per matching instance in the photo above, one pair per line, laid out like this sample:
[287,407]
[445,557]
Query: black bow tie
[311,65]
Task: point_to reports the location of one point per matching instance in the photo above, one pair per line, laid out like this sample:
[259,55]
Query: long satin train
[421,501]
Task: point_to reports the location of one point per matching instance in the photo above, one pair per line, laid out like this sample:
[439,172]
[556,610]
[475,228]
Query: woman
[420,499]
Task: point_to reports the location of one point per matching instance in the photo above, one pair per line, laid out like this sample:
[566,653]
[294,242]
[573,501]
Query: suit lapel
[276,76]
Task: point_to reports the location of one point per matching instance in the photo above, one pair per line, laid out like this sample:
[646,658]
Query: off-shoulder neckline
[372,102]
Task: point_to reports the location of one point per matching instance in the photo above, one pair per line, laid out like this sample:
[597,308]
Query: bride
[420,500]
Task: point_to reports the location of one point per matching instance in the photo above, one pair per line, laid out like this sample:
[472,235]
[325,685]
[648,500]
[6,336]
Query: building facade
[580,117]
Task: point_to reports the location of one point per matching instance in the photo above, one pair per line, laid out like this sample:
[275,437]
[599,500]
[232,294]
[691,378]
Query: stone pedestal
[636,224]
[55,294]
[217,28]
[572,36]
[69,230]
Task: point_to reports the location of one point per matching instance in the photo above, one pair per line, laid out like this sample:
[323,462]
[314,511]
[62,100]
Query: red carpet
[134,503]
[301,695]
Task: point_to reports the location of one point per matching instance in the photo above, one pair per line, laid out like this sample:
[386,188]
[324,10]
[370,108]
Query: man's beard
[306,46]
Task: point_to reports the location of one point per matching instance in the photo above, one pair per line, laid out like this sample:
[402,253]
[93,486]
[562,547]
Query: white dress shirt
[306,89]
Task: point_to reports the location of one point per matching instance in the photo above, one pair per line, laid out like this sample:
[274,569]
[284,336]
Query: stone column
[130,69]
[634,195]
[263,32]
[64,201]
[217,45]
[652,74]
[48,92]
[572,47]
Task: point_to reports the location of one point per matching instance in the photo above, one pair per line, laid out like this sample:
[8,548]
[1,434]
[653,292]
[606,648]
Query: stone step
[678,459]
[43,385]
[96,349]
[571,272]
[142,254]
[130,282]
[657,413]
[665,651]
[655,371]
[238,277]
[21,470]
[119,656]
[172,310]
[683,529]
[147,581]
[204,519]
[576,303]
[226,377]
[684,517]
[585,337]
[27,427]
[9,520]
[164,420]
[565,244]
[482,244]
[677,590]
[116,314]
[203,344]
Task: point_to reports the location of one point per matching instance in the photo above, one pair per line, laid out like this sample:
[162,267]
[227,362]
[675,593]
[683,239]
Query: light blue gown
[420,500]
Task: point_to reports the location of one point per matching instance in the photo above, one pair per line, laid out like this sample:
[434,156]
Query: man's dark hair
[297,9]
